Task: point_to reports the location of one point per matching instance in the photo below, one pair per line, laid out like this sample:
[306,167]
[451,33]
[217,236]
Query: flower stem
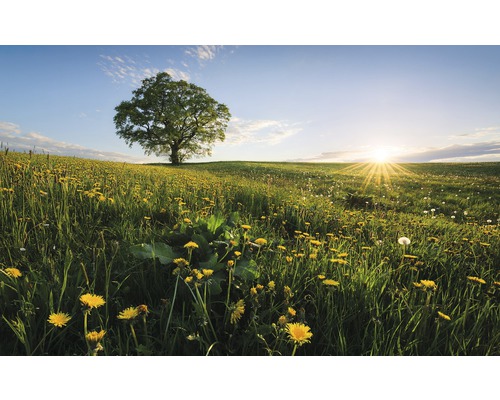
[134,336]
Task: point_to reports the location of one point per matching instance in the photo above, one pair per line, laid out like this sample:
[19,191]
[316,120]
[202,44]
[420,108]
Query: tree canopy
[174,118]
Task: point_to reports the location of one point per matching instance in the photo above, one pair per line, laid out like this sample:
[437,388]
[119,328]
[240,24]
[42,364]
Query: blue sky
[331,103]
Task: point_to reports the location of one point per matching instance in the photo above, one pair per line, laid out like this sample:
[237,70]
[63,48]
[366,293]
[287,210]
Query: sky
[311,103]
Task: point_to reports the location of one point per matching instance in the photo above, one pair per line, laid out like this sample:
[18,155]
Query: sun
[380,155]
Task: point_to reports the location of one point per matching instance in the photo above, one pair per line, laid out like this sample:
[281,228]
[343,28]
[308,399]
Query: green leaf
[163,252]
[204,247]
[214,287]
[246,270]
[214,222]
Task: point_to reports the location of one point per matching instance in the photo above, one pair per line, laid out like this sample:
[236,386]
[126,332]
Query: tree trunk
[174,155]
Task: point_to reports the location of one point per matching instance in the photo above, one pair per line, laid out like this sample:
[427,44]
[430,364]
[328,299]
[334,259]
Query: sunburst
[379,173]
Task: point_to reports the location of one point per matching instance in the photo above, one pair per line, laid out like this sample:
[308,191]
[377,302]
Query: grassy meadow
[240,258]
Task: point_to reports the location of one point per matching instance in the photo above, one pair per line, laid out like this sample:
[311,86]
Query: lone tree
[174,118]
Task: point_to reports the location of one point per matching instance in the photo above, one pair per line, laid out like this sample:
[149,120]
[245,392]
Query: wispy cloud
[491,132]
[482,151]
[472,152]
[13,138]
[9,128]
[203,53]
[122,69]
[270,132]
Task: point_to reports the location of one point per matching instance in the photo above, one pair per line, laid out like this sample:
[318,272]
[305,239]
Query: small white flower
[22,249]
[489,221]
[452,217]
[404,241]
[465,213]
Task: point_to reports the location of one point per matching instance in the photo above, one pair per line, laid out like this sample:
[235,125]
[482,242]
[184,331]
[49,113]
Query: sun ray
[378,173]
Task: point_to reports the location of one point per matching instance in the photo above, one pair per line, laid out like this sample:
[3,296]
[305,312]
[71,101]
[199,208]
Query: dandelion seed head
[404,241]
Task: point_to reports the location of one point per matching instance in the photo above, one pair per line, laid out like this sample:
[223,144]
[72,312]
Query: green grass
[74,226]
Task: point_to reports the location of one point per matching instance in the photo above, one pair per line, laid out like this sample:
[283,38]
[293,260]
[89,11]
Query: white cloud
[125,69]
[9,128]
[12,138]
[271,132]
[203,53]
[491,132]
[472,152]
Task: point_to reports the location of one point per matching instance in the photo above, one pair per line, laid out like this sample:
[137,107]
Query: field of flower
[240,258]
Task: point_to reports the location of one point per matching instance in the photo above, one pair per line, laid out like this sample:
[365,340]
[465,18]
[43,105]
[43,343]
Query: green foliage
[218,258]
[171,117]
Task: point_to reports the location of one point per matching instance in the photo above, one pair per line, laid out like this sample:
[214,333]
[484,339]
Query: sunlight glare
[380,155]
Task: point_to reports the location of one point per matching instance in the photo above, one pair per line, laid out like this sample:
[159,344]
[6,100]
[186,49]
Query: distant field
[244,258]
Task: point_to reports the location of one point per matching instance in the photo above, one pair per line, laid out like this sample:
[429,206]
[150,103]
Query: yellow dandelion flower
[313,256]
[238,310]
[187,221]
[280,247]
[496,283]
[95,336]
[92,300]
[282,320]
[207,272]
[343,255]
[253,291]
[181,262]
[330,282]
[444,316]
[142,309]
[59,319]
[246,227]
[199,276]
[315,242]
[237,253]
[191,245]
[271,285]
[259,286]
[188,279]
[129,313]
[230,263]
[289,259]
[13,272]
[476,279]
[287,291]
[261,241]
[298,333]
[338,261]
[321,276]
[291,311]
[428,284]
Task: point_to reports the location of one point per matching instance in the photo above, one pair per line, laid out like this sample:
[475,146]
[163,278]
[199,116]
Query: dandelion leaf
[163,252]
[246,270]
